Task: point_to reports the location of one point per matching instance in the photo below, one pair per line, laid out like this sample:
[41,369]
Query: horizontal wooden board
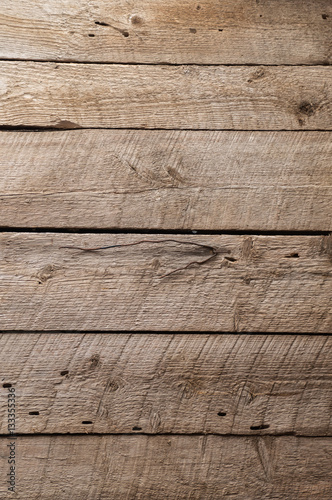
[162,383]
[168,97]
[152,31]
[151,179]
[155,467]
[250,283]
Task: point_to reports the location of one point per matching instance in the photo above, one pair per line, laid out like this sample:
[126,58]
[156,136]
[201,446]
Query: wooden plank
[183,97]
[250,283]
[150,31]
[154,467]
[151,179]
[183,383]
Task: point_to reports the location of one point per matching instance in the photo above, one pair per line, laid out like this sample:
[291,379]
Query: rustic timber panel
[162,383]
[166,179]
[184,97]
[253,283]
[170,467]
[154,31]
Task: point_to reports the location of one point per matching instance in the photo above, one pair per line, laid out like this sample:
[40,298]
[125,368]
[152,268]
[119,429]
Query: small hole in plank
[292,256]
[64,372]
[125,34]
[198,7]
[259,427]
[101,23]
[87,422]
[91,35]
[192,30]
[220,29]
[325,16]
[137,428]
[231,259]
[222,414]
[6,384]
[33,412]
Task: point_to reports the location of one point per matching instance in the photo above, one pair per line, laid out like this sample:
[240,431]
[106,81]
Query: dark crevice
[261,427]
[192,232]
[160,63]
[67,125]
[134,434]
[161,332]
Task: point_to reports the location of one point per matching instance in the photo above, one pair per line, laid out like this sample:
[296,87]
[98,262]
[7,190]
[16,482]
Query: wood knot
[307,108]
[136,20]
[259,73]
[46,273]
[94,361]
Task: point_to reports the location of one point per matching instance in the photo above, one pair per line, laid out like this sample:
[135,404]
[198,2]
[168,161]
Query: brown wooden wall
[166,249]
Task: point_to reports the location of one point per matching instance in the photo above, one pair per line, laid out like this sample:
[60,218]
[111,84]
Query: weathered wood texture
[152,31]
[162,383]
[184,97]
[166,179]
[170,467]
[255,283]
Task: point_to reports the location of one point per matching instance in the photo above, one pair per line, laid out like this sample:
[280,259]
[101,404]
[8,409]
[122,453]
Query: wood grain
[154,467]
[152,31]
[255,283]
[150,179]
[167,97]
[183,383]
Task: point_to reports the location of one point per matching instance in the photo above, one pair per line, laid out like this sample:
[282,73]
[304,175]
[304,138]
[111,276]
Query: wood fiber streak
[167,97]
[255,283]
[170,467]
[166,180]
[154,31]
[183,383]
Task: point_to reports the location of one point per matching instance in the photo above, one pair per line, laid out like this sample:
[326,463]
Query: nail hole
[198,7]
[101,23]
[325,16]
[64,372]
[7,384]
[137,428]
[87,422]
[91,35]
[192,30]
[231,259]
[222,414]
[220,29]
[292,256]
[125,34]
[33,412]
[259,427]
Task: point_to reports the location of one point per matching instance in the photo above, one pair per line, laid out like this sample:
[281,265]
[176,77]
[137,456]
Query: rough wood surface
[254,283]
[153,179]
[184,97]
[162,383]
[152,31]
[170,467]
